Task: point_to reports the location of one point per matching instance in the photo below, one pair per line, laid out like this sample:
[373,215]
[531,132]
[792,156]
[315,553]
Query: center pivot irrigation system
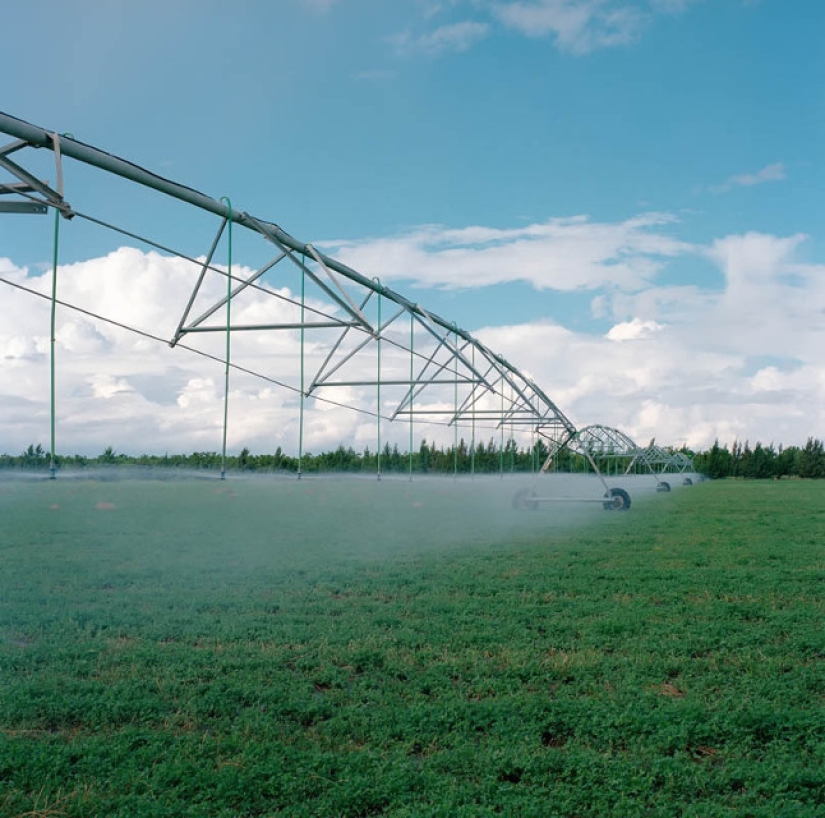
[610,451]
[355,342]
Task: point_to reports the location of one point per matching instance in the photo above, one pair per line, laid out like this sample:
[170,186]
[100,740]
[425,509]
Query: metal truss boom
[449,358]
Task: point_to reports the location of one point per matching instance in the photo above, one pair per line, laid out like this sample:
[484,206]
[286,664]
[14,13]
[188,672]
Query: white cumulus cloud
[633,330]
[680,362]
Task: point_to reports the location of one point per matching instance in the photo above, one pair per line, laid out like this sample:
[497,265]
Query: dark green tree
[811,459]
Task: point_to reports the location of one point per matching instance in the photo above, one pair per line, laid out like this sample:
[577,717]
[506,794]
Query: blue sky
[637,183]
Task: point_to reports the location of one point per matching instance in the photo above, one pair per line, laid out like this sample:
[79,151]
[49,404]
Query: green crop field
[353,648]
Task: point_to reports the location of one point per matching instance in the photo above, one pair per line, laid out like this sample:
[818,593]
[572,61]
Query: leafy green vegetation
[353,648]
[761,462]
[462,458]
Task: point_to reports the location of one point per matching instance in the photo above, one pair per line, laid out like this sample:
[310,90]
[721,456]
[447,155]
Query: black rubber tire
[687,482]
[619,500]
[663,486]
[524,499]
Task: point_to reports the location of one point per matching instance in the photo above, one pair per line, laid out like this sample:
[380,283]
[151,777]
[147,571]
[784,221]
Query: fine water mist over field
[119,549]
[281,522]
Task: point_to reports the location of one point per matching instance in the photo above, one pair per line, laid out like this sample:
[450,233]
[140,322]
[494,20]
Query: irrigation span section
[359,343]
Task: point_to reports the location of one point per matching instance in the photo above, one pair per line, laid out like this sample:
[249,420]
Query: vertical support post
[228,336]
[301,409]
[512,437]
[473,438]
[378,383]
[501,444]
[55,245]
[52,463]
[455,403]
[412,376]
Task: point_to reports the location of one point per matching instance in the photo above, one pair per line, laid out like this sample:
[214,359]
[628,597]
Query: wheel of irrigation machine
[617,500]
[687,482]
[663,486]
[525,499]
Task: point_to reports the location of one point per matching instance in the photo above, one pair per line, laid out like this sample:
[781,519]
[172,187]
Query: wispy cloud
[578,26]
[562,254]
[455,37]
[770,173]
[575,26]
[672,6]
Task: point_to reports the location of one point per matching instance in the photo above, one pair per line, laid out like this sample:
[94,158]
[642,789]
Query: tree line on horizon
[762,462]
[742,461]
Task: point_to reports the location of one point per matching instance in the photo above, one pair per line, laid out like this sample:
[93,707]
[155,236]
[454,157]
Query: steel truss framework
[355,333]
[610,450]
[663,462]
